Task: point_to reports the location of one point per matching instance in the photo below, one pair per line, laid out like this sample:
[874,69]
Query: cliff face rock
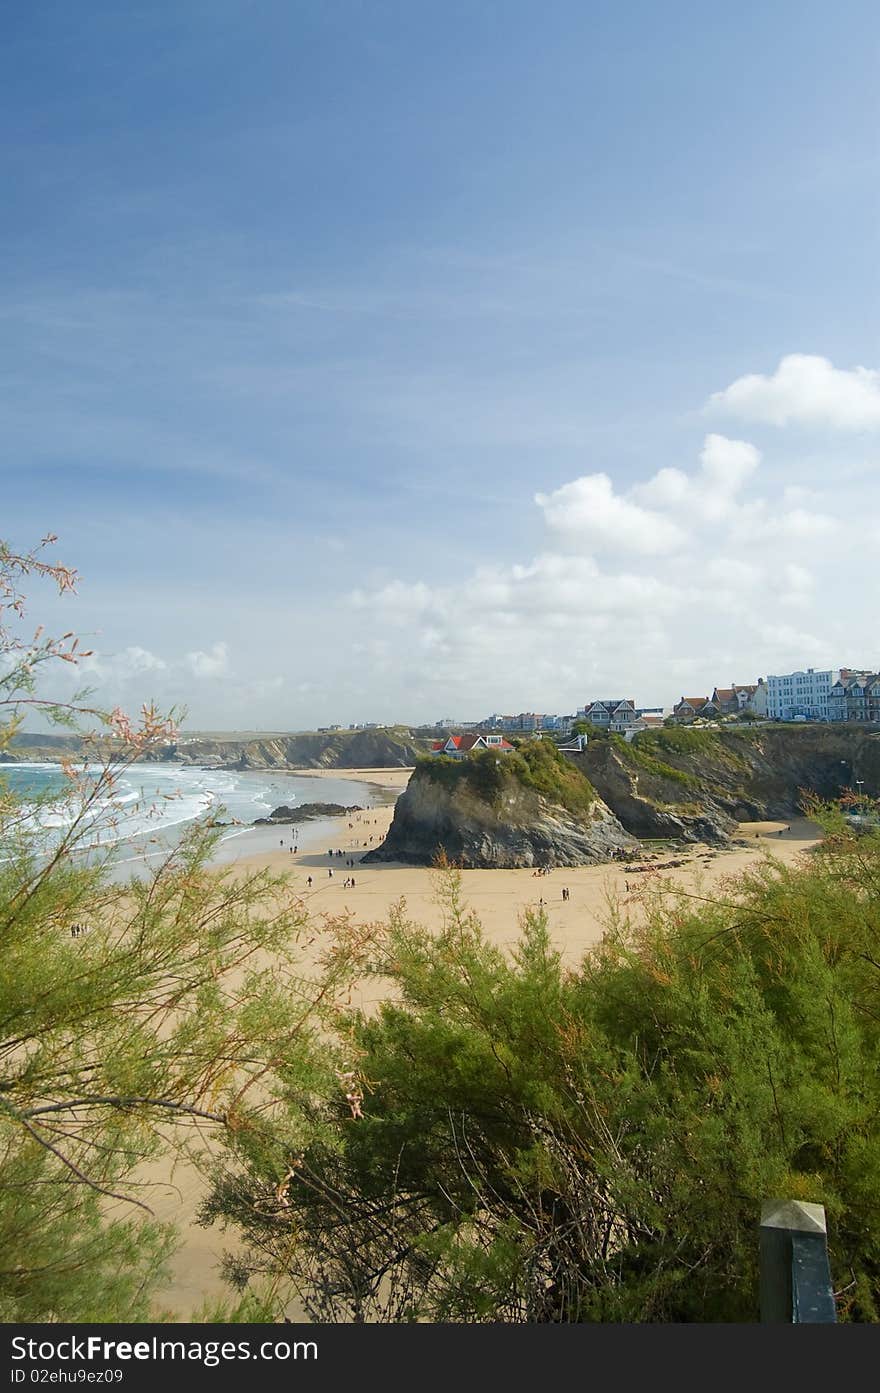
[40,748]
[523,829]
[698,784]
[359,749]
[392,748]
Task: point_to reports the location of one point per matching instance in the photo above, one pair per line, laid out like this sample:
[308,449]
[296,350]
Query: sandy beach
[499,899]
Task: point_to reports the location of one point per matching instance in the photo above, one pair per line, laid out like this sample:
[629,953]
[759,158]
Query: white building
[800,694]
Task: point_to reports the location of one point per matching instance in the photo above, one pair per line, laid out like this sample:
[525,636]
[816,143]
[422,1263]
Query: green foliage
[590,729]
[634,752]
[551,1145]
[490,776]
[681,740]
[157,1032]
[698,750]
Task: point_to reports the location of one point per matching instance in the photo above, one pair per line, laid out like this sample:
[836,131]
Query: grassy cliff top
[535,765]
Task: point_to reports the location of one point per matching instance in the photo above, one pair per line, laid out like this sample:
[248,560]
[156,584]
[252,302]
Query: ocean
[156,802]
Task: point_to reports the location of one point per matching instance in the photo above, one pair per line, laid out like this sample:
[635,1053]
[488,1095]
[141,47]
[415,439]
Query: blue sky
[304,306]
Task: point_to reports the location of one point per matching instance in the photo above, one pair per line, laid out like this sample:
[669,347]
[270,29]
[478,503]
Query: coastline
[500,897]
[497,897]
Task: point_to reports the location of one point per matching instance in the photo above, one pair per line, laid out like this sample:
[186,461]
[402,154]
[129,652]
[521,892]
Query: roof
[463,743]
[694,701]
[725,693]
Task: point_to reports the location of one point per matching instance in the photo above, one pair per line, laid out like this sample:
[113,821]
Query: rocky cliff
[697,784]
[506,824]
[393,748]
[389,748]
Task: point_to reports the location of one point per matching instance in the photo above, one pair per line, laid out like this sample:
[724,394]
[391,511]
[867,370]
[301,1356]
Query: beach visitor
[309,881]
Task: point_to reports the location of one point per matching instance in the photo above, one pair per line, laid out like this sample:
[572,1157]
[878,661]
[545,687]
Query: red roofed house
[735,698]
[459,745]
[689,708]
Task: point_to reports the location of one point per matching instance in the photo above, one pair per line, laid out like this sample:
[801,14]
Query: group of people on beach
[566,895]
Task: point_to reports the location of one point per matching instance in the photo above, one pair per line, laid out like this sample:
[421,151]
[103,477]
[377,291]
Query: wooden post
[796,1284]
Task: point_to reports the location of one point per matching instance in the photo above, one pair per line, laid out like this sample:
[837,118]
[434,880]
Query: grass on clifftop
[686,744]
[536,765]
[641,756]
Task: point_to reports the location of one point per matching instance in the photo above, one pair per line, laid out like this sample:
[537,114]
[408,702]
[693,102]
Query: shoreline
[498,898]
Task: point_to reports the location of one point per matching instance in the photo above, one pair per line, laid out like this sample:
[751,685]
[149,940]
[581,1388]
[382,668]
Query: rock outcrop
[696,785]
[305,811]
[519,828]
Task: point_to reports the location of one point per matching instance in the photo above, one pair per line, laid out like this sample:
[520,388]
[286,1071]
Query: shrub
[540,1144]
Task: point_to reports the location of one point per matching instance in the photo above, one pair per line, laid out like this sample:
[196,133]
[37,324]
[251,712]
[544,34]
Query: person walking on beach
[309,882]
[330,873]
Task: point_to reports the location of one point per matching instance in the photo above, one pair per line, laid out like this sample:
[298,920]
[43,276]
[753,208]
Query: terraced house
[617,715]
[855,696]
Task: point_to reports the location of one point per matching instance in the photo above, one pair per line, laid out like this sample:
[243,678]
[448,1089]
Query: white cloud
[726,466]
[397,600]
[805,390]
[212,664]
[689,576]
[797,585]
[756,523]
[131,662]
[709,495]
[587,510]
